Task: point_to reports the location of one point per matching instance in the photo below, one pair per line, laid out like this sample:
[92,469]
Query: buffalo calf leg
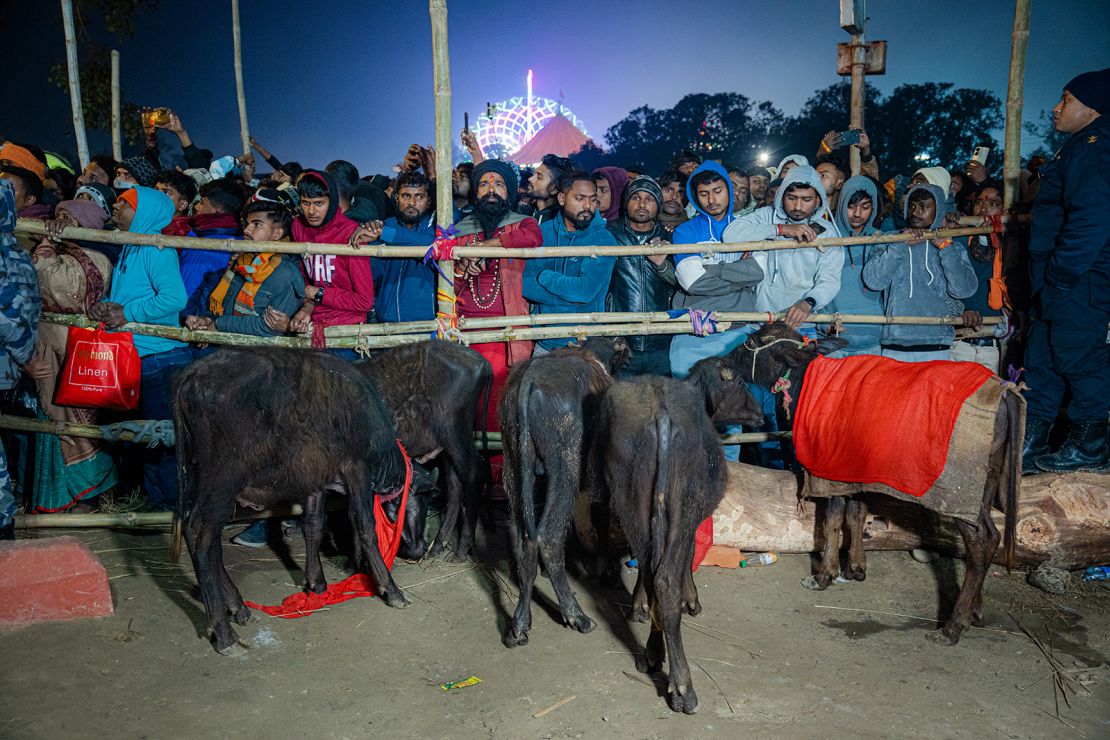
[313,523]
[992,538]
[527,563]
[830,560]
[640,598]
[471,479]
[977,543]
[449,521]
[670,578]
[561,489]
[855,516]
[366,532]
[690,601]
[206,561]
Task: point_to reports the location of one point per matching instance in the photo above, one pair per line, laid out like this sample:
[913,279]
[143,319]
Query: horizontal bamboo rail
[365,336]
[484,322]
[37,228]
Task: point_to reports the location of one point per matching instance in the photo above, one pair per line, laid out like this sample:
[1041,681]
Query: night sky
[353,80]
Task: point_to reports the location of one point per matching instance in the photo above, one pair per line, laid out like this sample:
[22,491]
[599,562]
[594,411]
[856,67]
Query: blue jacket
[1069,244]
[196,264]
[405,289]
[854,297]
[147,280]
[20,303]
[569,284]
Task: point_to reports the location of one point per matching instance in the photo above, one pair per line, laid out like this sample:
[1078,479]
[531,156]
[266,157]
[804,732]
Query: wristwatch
[319,297]
[812,303]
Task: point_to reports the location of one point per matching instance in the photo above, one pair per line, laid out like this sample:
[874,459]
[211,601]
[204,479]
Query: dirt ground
[775,660]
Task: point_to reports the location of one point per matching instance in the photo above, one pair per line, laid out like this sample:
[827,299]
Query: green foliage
[1045,131]
[933,119]
[117,17]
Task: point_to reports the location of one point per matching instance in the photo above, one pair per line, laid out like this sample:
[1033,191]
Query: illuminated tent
[558,136]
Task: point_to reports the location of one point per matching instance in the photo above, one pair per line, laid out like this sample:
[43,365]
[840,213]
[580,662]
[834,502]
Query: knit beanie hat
[102,195]
[936,176]
[502,168]
[141,169]
[87,213]
[1092,89]
[131,197]
[645,184]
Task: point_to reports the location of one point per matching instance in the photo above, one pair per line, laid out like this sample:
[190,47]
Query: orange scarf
[254,269]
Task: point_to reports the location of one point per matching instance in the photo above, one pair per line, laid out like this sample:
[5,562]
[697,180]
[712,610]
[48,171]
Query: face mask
[121,184]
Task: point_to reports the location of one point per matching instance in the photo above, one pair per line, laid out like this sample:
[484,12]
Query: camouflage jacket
[20,304]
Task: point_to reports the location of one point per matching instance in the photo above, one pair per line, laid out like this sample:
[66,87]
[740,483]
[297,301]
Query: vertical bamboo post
[1011,159]
[75,84]
[444,205]
[117,136]
[855,114]
[244,132]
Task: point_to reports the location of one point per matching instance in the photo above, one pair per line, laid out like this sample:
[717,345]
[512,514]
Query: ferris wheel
[510,124]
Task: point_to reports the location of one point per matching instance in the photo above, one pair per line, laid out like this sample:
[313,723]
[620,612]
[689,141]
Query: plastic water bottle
[1097,573]
[757,559]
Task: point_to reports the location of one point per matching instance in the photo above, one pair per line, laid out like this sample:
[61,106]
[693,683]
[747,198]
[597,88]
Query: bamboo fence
[31,227]
[77,111]
[1011,162]
[441,64]
[244,132]
[117,136]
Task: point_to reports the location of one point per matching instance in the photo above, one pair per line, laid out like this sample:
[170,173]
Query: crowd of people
[1047,268]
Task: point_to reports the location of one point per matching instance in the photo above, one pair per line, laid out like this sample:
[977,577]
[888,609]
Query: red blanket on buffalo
[305,603]
[868,419]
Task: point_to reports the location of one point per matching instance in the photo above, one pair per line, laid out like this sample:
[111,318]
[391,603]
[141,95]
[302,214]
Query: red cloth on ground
[868,419]
[389,539]
[703,540]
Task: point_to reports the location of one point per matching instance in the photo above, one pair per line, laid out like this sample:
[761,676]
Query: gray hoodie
[920,280]
[791,274]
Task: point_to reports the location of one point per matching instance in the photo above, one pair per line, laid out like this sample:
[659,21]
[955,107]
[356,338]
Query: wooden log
[1062,519]
[117,136]
[30,227]
[244,131]
[76,108]
[1011,153]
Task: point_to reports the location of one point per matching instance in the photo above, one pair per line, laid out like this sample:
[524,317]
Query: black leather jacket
[639,286]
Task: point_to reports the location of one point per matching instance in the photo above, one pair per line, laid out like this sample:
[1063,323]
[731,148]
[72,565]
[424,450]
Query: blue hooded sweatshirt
[854,297]
[920,280]
[569,284]
[405,289]
[147,280]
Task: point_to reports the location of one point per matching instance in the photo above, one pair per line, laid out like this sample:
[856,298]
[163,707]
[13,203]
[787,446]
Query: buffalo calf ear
[727,374]
[798,357]
[828,345]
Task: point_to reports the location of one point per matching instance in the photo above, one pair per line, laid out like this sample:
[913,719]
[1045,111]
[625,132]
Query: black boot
[1036,444]
[1084,450]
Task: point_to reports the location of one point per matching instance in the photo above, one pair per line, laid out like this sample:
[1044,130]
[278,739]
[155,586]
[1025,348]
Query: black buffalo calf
[433,390]
[657,461]
[262,427]
[548,405]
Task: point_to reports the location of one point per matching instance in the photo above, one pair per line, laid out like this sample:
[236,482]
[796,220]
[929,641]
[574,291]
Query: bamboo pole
[651,319]
[117,136]
[244,133]
[855,113]
[441,63]
[85,521]
[31,227]
[1011,159]
[184,335]
[75,84]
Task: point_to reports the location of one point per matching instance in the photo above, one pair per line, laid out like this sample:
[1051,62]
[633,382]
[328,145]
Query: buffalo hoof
[234,649]
[515,639]
[855,573]
[940,637]
[397,600]
[644,665]
[245,616]
[814,584]
[639,614]
[436,550]
[582,623]
[685,703]
[318,588]
[457,557]
[693,609]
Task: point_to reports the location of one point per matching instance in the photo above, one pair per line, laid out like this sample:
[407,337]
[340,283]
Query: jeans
[7,499]
[986,355]
[160,463]
[897,354]
[651,362]
[1071,355]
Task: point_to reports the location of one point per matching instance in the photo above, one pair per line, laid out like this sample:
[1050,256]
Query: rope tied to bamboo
[153,432]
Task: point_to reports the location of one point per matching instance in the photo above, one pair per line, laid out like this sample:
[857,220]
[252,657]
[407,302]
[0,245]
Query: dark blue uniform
[1069,253]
